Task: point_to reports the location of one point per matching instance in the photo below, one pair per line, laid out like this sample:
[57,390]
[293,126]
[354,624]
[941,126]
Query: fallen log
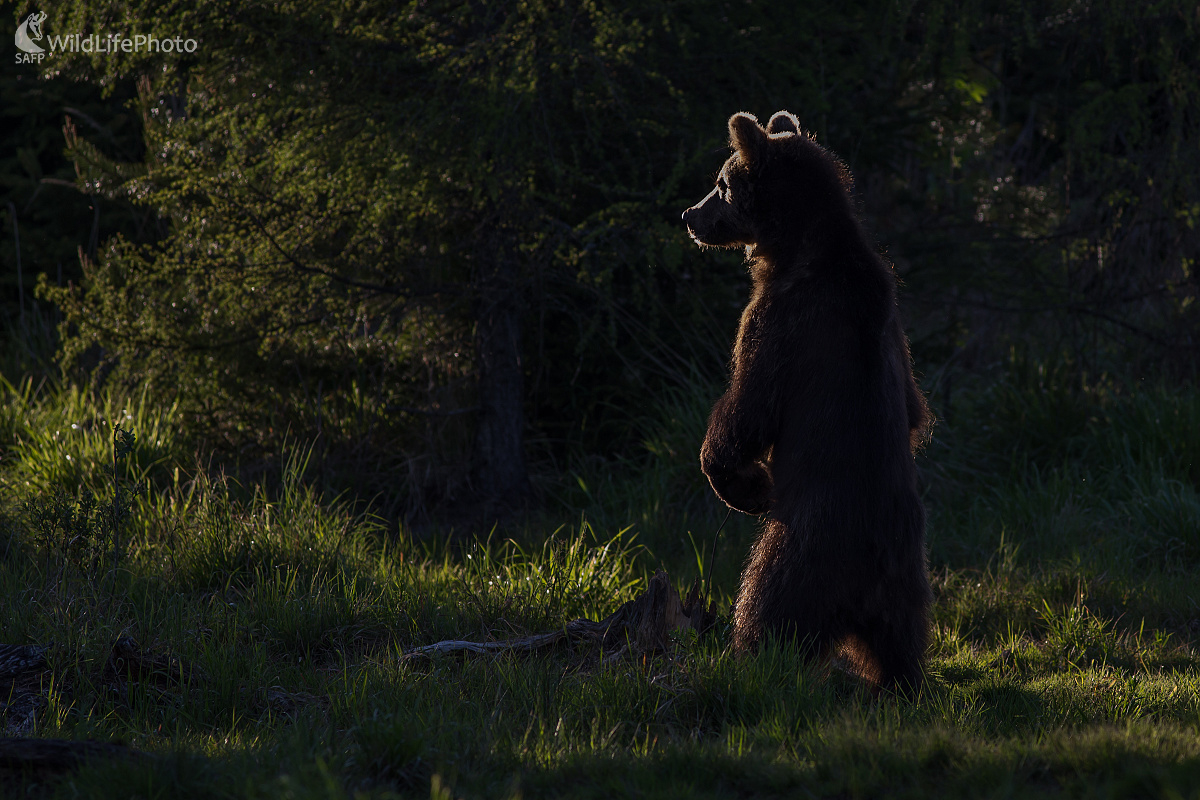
[644,623]
[17,659]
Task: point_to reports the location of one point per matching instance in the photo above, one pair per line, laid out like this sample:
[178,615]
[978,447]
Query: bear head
[776,186]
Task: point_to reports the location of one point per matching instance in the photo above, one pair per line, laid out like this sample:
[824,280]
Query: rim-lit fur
[818,426]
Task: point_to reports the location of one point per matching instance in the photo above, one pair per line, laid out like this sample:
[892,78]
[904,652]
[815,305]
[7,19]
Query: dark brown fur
[822,413]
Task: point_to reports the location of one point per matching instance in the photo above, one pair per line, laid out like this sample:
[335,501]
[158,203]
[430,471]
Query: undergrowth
[1065,551]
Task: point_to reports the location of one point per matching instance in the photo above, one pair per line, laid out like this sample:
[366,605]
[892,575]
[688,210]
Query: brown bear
[822,414]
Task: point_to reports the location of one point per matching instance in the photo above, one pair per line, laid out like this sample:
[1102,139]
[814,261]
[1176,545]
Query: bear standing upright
[822,413]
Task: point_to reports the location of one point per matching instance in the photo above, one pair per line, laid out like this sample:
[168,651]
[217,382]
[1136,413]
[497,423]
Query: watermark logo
[29,34]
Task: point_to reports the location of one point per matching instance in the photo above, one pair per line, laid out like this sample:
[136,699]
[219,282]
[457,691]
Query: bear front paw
[747,489]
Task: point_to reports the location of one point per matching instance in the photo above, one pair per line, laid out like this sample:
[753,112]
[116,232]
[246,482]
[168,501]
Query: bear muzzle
[711,222]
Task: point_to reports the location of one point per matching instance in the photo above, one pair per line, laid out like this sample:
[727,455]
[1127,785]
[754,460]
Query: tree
[395,185]
[423,233]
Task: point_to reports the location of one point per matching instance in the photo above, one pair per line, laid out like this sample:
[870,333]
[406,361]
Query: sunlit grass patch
[52,439]
[1061,663]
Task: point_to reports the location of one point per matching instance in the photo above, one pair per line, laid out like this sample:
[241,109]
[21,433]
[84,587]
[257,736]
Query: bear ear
[747,136]
[784,122]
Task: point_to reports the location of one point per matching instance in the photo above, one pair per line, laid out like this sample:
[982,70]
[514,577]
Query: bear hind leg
[813,638]
[892,653]
[785,604]
[786,596]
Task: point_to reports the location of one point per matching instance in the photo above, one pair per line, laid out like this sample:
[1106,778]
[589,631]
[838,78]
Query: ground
[1065,542]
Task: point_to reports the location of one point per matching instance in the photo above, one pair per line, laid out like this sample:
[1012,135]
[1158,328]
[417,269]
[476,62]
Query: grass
[1065,548]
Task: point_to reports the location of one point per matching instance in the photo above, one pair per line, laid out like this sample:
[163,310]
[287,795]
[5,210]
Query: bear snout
[704,222]
[692,219]
[714,222]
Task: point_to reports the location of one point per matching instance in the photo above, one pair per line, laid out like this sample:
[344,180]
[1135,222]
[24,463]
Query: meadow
[289,318]
[266,626]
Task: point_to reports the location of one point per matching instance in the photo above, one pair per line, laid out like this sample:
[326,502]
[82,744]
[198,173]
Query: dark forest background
[440,241]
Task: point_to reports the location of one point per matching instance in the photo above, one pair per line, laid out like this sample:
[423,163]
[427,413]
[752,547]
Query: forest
[337,330]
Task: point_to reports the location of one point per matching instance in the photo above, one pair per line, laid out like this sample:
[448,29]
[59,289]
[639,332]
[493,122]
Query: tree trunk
[500,469]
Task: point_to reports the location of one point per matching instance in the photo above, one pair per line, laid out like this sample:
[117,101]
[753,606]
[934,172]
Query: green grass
[1065,547]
